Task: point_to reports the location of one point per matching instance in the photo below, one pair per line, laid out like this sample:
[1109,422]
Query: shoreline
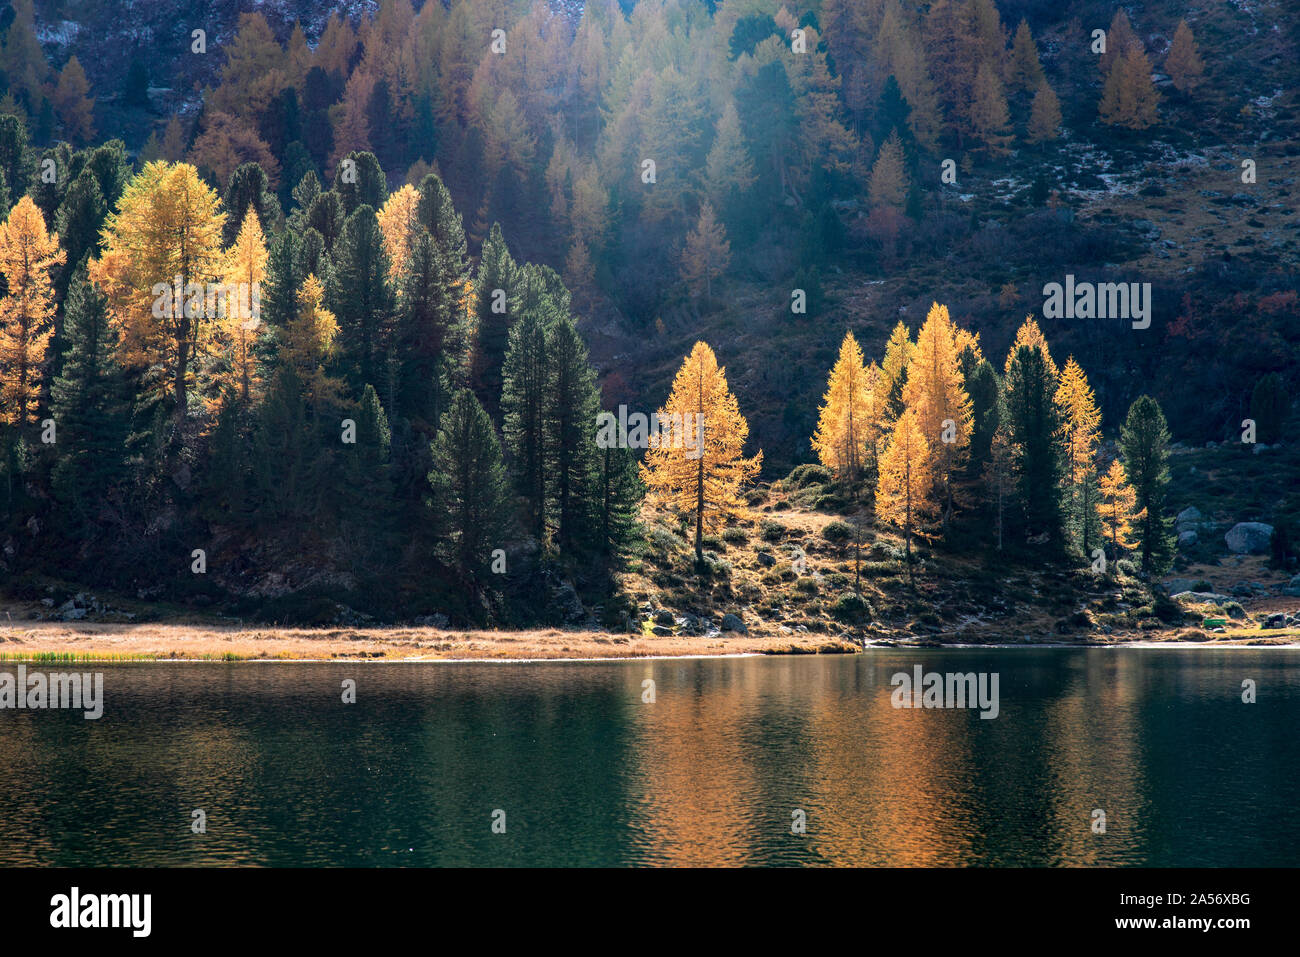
[196,643]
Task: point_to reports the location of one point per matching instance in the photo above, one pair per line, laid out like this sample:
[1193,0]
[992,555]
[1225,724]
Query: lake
[565,764]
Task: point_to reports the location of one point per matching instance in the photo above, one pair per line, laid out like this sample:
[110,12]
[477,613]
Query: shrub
[771,531]
[852,609]
[837,531]
[736,536]
[801,476]
[807,585]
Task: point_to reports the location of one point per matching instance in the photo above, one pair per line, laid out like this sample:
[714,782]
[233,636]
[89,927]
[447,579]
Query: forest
[324,327]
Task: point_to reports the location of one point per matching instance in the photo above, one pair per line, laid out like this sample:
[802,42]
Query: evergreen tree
[1183,63]
[524,404]
[429,335]
[620,491]
[361,297]
[469,491]
[249,189]
[359,181]
[1044,116]
[1269,406]
[1144,440]
[438,215]
[493,287]
[89,406]
[571,423]
[982,386]
[1033,424]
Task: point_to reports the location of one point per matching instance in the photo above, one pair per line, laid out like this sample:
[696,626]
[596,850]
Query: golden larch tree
[905,488]
[1183,63]
[1030,335]
[1044,116]
[1024,69]
[27,254]
[936,393]
[308,343]
[893,374]
[701,479]
[75,108]
[1115,509]
[242,323]
[399,222]
[707,254]
[989,117]
[889,182]
[165,235]
[845,425]
[1080,425]
[1129,98]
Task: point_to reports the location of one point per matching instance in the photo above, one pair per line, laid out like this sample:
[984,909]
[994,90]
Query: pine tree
[1129,97]
[707,254]
[248,189]
[1183,63]
[361,296]
[1000,478]
[936,393]
[470,493]
[1144,440]
[88,404]
[438,215]
[1117,509]
[573,401]
[704,482]
[430,335]
[1044,115]
[360,183]
[845,424]
[1269,405]
[984,390]
[1033,427]
[1081,421]
[620,490]
[280,293]
[78,222]
[493,286]
[905,488]
[524,405]
[1030,335]
[27,254]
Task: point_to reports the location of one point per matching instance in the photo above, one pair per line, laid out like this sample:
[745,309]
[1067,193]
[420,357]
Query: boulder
[1275,620]
[1202,598]
[732,622]
[1176,585]
[1187,539]
[1188,518]
[665,617]
[1293,587]
[766,559]
[1249,538]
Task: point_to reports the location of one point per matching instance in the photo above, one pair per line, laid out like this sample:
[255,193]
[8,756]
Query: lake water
[711,773]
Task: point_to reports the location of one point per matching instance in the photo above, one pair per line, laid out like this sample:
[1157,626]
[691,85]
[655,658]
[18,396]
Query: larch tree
[1044,116]
[989,118]
[1117,509]
[707,254]
[701,479]
[308,344]
[889,183]
[1129,97]
[729,172]
[27,254]
[75,108]
[845,423]
[400,223]
[936,392]
[1030,335]
[165,234]
[1024,69]
[1080,425]
[893,374]
[1183,63]
[905,488]
[246,263]
[1120,39]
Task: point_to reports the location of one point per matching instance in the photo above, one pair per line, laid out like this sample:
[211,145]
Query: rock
[1242,590]
[1202,598]
[1187,518]
[1293,587]
[731,622]
[1249,538]
[1275,620]
[766,559]
[72,614]
[665,617]
[661,631]
[438,620]
[1187,539]
[1176,585]
[1211,445]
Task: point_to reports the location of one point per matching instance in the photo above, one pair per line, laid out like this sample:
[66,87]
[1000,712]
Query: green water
[711,773]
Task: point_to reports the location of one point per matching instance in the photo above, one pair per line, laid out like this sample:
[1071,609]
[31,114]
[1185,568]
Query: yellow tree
[164,237]
[1129,98]
[905,488]
[889,182]
[700,470]
[75,108]
[1044,115]
[1115,509]
[1081,421]
[245,271]
[1030,335]
[936,392]
[707,253]
[845,425]
[1024,70]
[400,223]
[1183,63]
[893,374]
[27,253]
[308,343]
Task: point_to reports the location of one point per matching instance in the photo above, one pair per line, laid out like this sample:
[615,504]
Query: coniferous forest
[673,318]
